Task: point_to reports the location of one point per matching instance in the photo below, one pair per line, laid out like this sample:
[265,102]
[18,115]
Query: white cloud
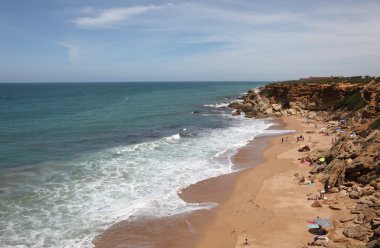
[111,16]
[73,50]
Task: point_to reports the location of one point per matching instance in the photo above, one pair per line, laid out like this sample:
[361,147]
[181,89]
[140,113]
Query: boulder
[368,191]
[316,204]
[334,190]
[377,231]
[358,233]
[347,219]
[246,107]
[317,169]
[354,195]
[335,245]
[342,187]
[236,113]
[235,105]
[366,202]
[304,148]
[319,243]
[375,222]
[276,107]
[356,211]
[373,244]
[269,111]
[251,114]
[291,111]
[336,206]
[342,194]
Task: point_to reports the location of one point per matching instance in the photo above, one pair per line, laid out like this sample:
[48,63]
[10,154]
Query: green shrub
[376,124]
[353,102]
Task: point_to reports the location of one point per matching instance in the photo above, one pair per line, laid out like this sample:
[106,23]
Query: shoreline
[187,229]
[267,207]
[261,202]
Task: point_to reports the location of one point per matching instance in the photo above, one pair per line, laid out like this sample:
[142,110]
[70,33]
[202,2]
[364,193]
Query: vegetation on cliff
[376,124]
[352,102]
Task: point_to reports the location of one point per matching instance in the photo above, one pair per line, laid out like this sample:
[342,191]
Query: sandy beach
[268,206]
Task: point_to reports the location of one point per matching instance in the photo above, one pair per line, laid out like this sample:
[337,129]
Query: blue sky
[121,40]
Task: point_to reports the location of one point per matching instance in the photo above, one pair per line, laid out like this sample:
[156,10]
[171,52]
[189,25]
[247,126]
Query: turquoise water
[76,158]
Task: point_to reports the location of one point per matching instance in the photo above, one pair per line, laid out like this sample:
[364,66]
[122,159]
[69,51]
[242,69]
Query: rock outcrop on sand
[351,168]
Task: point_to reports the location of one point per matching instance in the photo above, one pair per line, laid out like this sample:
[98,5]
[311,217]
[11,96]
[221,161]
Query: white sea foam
[71,206]
[173,137]
[217,105]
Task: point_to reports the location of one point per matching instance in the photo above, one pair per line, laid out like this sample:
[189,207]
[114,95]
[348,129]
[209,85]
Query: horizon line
[161,81]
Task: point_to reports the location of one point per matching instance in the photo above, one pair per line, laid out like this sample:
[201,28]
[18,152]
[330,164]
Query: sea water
[77,158]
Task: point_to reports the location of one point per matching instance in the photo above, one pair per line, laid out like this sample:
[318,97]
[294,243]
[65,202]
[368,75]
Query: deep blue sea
[76,158]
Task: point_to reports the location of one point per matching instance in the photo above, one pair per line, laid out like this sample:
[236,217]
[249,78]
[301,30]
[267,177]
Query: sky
[209,40]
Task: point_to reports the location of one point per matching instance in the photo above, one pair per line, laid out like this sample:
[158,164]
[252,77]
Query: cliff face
[310,96]
[350,112]
[356,106]
[371,93]
[353,159]
[300,97]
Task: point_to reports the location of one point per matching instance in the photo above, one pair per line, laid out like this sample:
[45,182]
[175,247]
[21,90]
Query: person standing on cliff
[326,186]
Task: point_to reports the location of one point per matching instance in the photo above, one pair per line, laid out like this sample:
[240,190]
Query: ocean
[77,158]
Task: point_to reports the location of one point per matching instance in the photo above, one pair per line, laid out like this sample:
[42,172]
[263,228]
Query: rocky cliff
[299,97]
[351,112]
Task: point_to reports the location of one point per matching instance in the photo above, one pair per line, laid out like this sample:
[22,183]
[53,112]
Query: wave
[71,203]
[176,136]
[217,105]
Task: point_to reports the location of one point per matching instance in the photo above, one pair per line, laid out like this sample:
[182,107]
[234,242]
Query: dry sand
[268,206]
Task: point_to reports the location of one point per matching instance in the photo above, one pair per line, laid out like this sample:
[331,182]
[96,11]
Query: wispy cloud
[109,17]
[73,50]
[209,38]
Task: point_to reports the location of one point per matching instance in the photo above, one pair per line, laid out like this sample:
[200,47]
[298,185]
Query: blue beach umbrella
[323,222]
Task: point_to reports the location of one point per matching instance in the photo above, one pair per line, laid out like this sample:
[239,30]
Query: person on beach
[246,242]
[282,140]
[286,139]
[326,187]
